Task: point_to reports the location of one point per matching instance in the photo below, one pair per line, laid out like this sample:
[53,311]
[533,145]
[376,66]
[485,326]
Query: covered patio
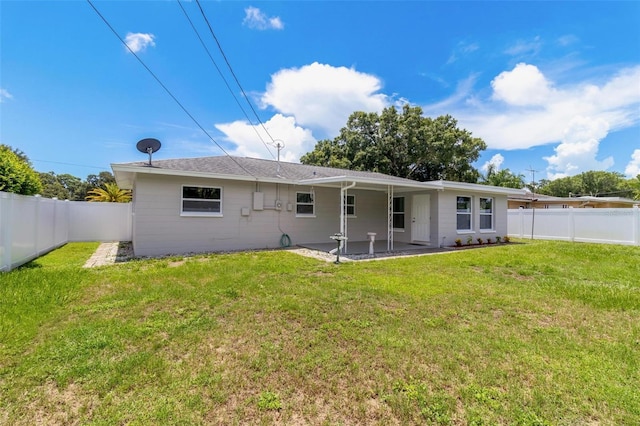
[389,186]
[379,247]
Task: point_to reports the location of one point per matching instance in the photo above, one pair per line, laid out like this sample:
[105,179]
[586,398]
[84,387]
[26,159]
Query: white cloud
[322,97]
[496,161]
[4,95]
[524,47]
[633,168]
[138,42]
[254,18]
[462,96]
[462,49]
[526,110]
[579,149]
[524,85]
[297,140]
[567,40]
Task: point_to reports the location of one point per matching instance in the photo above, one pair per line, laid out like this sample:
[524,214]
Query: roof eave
[380,183]
[128,170]
[487,189]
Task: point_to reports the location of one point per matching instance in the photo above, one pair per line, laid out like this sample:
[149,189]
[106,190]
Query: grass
[525,334]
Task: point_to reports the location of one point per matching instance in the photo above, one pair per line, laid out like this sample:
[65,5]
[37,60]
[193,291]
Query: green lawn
[531,333]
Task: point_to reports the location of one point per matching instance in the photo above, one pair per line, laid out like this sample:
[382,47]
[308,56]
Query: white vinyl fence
[612,226]
[33,226]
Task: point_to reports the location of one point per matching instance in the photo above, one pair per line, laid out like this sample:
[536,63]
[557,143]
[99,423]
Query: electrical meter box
[258,200]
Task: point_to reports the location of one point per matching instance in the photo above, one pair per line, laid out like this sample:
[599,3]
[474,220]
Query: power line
[69,164]
[166,89]
[233,73]
[225,81]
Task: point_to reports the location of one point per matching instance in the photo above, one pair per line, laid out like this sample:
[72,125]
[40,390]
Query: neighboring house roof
[254,169]
[582,200]
[608,200]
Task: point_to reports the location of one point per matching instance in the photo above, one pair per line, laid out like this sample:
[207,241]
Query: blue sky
[549,86]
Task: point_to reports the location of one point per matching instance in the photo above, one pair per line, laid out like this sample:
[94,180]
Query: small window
[486,213]
[350,205]
[305,204]
[463,213]
[398,212]
[201,201]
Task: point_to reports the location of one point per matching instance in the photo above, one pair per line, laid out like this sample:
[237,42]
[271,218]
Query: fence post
[54,224]
[636,225]
[36,226]
[67,219]
[572,225]
[6,209]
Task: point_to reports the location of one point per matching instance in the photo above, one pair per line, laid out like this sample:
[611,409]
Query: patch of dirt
[61,406]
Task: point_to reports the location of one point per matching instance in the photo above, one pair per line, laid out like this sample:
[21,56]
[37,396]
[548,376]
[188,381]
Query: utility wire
[232,72]
[69,164]
[166,89]
[225,81]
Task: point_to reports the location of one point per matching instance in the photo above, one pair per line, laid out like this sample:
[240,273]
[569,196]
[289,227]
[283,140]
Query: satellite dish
[148,146]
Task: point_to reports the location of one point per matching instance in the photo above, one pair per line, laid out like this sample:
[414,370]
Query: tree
[16,174]
[591,183]
[504,178]
[52,187]
[64,186]
[111,193]
[402,144]
[69,187]
[634,186]
[100,180]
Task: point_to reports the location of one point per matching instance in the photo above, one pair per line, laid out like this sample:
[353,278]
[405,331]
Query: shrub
[498,240]
[506,239]
[479,240]
[458,242]
[489,241]
[469,240]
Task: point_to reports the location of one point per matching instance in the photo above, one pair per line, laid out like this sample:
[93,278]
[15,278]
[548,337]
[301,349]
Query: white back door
[421,218]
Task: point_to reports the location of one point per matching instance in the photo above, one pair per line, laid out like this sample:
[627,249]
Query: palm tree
[504,178]
[635,187]
[110,194]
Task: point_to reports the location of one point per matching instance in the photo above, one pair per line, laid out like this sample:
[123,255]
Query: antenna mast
[279,146]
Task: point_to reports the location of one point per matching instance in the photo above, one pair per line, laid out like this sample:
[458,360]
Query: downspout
[343,222]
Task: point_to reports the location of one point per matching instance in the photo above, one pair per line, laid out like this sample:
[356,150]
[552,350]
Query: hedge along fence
[611,226]
[33,226]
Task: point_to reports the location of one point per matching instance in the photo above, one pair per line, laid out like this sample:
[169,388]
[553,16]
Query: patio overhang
[370,184]
[389,186]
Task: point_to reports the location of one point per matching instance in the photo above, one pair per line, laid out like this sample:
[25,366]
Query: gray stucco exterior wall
[160,229]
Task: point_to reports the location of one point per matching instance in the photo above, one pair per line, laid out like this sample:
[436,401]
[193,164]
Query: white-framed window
[350,205]
[201,201]
[486,213]
[398,213]
[463,213]
[305,204]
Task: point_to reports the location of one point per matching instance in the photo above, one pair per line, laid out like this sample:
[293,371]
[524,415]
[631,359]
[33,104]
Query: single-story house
[234,203]
[540,201]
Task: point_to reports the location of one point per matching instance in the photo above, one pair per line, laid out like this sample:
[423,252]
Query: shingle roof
[261,169]
[243,168]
